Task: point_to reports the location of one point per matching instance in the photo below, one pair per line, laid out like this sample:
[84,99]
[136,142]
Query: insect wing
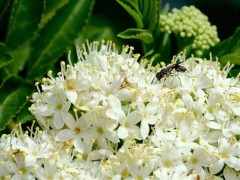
[180,68]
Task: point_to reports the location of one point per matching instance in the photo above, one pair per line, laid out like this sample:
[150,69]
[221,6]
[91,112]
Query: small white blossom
[108,116]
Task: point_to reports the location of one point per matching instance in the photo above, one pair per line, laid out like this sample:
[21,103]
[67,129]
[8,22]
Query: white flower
[35,151]
[104,117]
[4,156]
[128,127]
[149,115]
[102,130]
[178,172]
[187,134]
[228,152]
[19,169]
[230,174]
[56,105]
[141,172]
[136,160]
[199,159]
[170,156]
[127,122]
[76,131]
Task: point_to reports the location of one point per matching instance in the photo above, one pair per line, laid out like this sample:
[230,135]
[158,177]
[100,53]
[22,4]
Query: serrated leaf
[19,57]
[165,9]
[141,34]
[133,10]
[151,13]
[5,58]
[144,6]
[13,104]
[56,35]
[7,86]
[50,9]
[154,15]
[24,115]
[24,20]
[229,46]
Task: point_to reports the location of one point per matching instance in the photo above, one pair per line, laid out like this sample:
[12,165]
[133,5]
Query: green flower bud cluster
[190,22]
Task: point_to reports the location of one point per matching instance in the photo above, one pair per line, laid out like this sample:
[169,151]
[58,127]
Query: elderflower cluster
[191,23]
[107,116]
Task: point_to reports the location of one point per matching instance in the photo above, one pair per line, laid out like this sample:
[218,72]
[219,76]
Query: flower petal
[57,120]
[78,144]
[122,132]
[30,160]
[44,110]
[144,129]
[64,135]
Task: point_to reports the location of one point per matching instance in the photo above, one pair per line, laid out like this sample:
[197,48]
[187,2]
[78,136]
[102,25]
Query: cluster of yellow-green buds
[190,22]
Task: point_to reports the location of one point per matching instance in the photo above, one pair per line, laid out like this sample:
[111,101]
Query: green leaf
[133,10]
[141,34]
[144,7]
[14,101]
[50,10]
[56,35]
[7,86]
[5,9]
[233,58]
[25,16]
[164,46]
[230,48]
[98,28]
[151,14]
[154,15]
[5,58]
[24,21]
[3,4]
[19,57]
[24,115]
[165,9]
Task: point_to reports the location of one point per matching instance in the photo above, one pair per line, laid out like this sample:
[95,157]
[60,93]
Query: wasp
[167,71]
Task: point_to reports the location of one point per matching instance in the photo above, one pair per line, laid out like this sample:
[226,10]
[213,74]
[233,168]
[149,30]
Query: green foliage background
[36,35]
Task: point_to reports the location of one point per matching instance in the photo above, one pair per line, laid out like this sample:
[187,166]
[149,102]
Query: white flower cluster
[191,23]
[103,117]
